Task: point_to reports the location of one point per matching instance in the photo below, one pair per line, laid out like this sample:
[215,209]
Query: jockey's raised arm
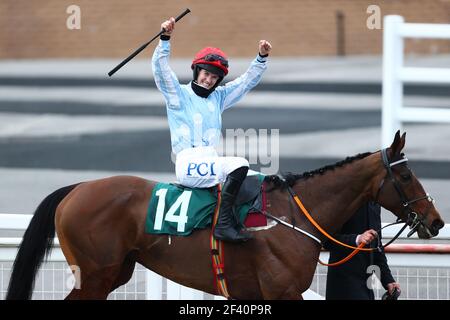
[194,113]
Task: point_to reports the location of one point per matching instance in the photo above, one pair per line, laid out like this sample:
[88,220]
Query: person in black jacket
[350,281]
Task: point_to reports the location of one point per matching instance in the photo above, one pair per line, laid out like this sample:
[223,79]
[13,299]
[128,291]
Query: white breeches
[201,167]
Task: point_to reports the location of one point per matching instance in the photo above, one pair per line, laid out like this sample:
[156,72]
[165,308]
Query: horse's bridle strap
[413,219]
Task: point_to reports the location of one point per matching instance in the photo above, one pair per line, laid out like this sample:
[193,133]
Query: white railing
[430,283]
[394,113]
[422,275]
[55,278]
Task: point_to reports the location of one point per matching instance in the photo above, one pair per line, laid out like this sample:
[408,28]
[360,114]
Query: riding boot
[228,227]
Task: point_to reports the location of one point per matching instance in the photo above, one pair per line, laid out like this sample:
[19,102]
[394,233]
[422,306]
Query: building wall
[113,28]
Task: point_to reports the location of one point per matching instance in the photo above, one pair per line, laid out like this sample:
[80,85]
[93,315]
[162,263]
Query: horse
[100,227]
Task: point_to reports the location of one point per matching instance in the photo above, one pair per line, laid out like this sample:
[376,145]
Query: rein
[311,219]
[413,218]
[315,224]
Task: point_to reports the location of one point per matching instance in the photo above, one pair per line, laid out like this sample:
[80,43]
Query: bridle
[413,219]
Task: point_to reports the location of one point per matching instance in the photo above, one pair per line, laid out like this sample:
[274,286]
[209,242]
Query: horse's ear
[402,142]
[396,145]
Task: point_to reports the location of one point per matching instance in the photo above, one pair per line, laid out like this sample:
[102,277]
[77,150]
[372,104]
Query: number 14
[181,219]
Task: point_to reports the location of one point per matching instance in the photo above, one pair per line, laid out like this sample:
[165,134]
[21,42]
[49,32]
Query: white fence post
[392,90]
[394,113]
[153,286]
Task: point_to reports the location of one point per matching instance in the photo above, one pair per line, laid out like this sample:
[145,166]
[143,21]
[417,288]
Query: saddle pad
[178,210]
[255,219]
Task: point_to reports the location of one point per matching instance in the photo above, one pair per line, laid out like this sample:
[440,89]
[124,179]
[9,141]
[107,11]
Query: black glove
[393,296]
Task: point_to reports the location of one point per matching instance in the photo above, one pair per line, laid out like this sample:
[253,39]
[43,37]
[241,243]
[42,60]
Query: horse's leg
[97,285]
[126,272]
[99,278]
[94,279]
[291,293]
[72,295]
[288,283]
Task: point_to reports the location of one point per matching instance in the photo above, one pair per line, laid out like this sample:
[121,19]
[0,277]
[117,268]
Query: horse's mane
[289,179]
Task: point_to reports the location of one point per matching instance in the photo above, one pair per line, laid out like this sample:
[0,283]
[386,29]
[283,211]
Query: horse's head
[401,193]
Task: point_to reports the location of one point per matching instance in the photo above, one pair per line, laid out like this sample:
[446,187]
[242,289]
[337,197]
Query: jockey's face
[207,79]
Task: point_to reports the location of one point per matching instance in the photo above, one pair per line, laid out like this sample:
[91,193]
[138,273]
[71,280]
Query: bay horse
[100,226]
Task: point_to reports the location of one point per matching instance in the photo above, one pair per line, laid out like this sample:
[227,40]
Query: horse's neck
[332,198]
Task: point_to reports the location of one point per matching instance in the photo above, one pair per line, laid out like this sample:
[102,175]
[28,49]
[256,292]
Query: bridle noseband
[414,220]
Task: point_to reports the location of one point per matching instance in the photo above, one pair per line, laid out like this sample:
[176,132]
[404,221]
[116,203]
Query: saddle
[178,210]
[249,190]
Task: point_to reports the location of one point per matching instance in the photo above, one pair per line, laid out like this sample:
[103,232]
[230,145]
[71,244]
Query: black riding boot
[228,227]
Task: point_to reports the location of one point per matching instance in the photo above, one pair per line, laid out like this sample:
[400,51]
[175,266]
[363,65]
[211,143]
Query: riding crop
[135,53]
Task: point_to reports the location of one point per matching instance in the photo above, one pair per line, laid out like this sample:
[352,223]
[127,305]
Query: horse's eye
[405,176]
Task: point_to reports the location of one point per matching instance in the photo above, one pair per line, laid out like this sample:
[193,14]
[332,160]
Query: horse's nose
[436,225]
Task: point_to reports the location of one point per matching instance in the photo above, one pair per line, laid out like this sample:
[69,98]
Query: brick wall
[113,28]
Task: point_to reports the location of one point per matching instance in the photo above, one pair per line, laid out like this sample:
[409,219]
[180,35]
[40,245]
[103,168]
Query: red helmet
[211,59]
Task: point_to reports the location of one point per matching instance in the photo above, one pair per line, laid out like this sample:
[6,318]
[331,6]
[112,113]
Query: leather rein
[413,219]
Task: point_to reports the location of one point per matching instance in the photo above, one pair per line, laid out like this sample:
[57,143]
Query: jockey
[194,114]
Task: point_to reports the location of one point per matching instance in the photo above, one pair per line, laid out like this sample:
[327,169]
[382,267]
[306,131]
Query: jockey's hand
[168,26]
[264,47]
[366,237]
[391,286]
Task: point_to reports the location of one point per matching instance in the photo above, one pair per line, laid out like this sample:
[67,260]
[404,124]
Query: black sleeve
[349,239]
[381,261]
[380,257]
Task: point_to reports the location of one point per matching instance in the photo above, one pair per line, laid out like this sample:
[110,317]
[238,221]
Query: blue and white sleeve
[235,90]
[166,80]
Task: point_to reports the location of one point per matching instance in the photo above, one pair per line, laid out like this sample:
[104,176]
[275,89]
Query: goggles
[216,57]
